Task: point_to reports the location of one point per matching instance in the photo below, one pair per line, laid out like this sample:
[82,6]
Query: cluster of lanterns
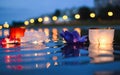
[96,36]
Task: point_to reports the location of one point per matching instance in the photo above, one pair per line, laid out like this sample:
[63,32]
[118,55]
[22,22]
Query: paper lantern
[101,53]
[101,36]
[16,32]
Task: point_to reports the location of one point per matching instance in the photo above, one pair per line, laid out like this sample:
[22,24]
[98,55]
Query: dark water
[57,58]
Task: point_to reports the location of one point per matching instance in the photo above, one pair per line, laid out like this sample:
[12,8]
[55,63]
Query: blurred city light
[1,27]
[110,13]
[77,16]
[26,23]
[6,25]
[40,19]
[54,18]
[46,18]
[32,20]
[65,17]
[92,15]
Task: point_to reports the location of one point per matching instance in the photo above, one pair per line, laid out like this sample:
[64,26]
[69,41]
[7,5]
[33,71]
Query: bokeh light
[32,20]
[110,13]
[77,16]
[54,18]
[92,15]
[6,25]
[65,17]
[26,23]
[40,19]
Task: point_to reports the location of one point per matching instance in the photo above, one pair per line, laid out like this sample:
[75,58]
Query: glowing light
[96,51]
[46,18]
[6,25]
[54,18]
[40,19]
[65,17]
[54,58]
[6,32]
[46,31]
[101,36]
[36,54]
[48,65]
[48,53]
[32,20]
[110,13]
[77,16]
[92,15]
[35,42]
[1,27]
[26,23]
[56,63]
[37,65]
[55,34]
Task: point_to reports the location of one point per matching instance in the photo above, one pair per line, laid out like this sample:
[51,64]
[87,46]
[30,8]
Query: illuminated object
[92,15]
[17,32]
[101,36]
[110,13]
[54,18]
[34,36]
[32,20]
[65,17]
[101,53]
[77,16]
[14,37]
[40,19]
[1,27]
[26,23]
[6,25]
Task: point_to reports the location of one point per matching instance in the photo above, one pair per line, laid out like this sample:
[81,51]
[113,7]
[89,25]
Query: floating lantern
[17,32]
[101,36]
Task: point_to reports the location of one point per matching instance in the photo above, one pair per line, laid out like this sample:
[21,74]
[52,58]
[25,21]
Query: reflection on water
[55,54]
[101,53]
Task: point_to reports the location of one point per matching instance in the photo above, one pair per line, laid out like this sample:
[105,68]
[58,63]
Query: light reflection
[0,32]
[54,34]
[48,64]
[6,32]
[101,53]
[54,58]
[55,63]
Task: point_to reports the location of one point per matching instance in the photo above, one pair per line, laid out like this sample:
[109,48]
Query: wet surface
[58,58]
[55,58]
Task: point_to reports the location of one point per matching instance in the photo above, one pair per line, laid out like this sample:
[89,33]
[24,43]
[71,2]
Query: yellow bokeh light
[46,18]
[92,15]
[77,16]
[54,18]
[32,20]
[110,13]
[26,23]
[40,19]
[6,25]
[1,27]
[65,17]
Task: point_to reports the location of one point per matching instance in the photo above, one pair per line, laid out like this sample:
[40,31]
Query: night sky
[20,10]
